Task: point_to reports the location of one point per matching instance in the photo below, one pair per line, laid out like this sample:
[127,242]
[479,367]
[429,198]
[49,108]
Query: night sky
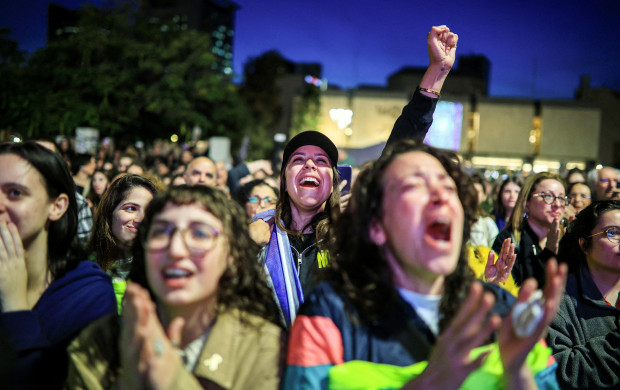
[537,48]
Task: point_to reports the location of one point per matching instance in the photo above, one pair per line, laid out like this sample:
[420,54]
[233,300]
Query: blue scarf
[281,270]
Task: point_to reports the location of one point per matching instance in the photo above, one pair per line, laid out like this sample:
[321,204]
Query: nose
[177,248]
[310,164]
[438,193]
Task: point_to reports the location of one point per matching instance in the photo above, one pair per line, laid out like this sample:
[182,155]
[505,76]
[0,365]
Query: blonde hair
[517,218]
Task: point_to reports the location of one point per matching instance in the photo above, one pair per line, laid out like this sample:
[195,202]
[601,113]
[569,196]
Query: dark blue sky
[537,48]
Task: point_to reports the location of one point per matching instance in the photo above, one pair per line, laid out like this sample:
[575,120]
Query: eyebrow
[305,154]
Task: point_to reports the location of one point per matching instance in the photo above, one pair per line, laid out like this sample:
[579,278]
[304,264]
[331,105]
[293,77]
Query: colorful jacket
[327,333]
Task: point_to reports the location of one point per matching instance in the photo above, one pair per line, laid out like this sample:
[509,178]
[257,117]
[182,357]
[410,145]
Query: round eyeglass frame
[184,235]
[565,200]
[608,234]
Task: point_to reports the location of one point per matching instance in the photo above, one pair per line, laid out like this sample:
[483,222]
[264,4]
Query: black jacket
[531,258]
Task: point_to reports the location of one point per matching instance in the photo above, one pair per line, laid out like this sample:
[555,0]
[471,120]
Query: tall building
[214,16]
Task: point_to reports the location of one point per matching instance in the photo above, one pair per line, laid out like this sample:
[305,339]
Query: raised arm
[417,115]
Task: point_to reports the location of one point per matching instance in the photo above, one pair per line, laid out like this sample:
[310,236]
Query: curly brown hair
[242,286]
[360,271]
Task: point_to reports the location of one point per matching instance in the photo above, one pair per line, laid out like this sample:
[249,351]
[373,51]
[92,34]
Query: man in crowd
[606,185]
[200,172]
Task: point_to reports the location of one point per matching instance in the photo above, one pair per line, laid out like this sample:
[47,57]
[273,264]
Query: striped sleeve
[315,345]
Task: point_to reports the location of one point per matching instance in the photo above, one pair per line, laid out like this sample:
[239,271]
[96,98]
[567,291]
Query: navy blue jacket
[39,337]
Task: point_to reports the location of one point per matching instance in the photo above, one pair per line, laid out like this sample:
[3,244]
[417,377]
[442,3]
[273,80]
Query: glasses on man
[267,200]
[612,233]
[199,238]
[550,199]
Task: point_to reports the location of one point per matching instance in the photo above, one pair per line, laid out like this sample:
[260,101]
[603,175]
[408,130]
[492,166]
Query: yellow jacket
[478,256]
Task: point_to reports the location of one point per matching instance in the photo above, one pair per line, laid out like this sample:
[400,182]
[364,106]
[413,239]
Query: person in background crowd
[117,218]
[309,187]
[575,175]
[484,230]
[98,184]
[200,314]
[580,196]
[200,172]
[404,234]
[82,167]
[221,176]
[506,200]
[136,168]
[255,197]
[124,162]
[606,184]
[534,225]
[248,171]
[584,335]
[47,293]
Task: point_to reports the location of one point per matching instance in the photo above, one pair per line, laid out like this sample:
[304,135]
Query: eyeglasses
[199,238]
[266,200]
[612,233]
[550,199]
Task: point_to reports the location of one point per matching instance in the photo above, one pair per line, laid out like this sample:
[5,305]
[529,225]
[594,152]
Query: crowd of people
[167,270]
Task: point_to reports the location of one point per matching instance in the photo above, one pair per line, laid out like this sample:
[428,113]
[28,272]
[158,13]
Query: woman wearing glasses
[198,314]
[535,226]
[584,335]
[256,196]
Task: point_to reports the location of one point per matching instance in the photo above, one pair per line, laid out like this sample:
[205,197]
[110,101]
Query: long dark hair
[569,250]
[321,222]
[243,286]
[106,246]
[360,271]
[500,210]
[62,257]
[92,195]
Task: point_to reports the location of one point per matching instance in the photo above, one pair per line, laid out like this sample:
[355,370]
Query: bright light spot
[174,138]
[599,166]
[341,116]
[313,80]
[527,167]
[279,137]
[532,139]
[348,131]
[17,139]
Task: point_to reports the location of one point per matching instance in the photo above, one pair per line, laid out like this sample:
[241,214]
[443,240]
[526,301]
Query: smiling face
[580,196]
[128,214]
[24,200]
[309,177]
[421,228]
[603,256]
[542,214]
[262,193]
[177,277]
[100,183]
[509,196]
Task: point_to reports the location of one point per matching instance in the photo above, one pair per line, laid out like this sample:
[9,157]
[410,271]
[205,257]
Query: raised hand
[451,354]
[442,46]
[498,272]
[514,349]
[148,355]
[13,272]
[554,235]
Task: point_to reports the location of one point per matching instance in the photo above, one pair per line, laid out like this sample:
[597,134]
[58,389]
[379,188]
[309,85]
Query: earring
[525,215]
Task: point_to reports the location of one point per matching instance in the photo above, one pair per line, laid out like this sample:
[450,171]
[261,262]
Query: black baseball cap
[310,137]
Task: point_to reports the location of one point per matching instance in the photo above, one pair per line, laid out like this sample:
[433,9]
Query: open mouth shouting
[309,182]
[438,232]
[175,276]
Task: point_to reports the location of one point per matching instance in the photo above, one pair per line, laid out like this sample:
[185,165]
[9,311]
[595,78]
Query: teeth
[176,273]
[309,179]
[442,221]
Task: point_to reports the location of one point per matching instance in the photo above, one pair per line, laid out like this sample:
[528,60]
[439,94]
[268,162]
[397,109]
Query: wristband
[437,93]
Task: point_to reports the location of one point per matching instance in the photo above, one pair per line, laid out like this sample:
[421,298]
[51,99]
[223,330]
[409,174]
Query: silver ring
[159,347]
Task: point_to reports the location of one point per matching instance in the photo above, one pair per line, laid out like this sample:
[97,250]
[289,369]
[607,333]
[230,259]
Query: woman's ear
[377,233]
[582,245]
[59,207]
